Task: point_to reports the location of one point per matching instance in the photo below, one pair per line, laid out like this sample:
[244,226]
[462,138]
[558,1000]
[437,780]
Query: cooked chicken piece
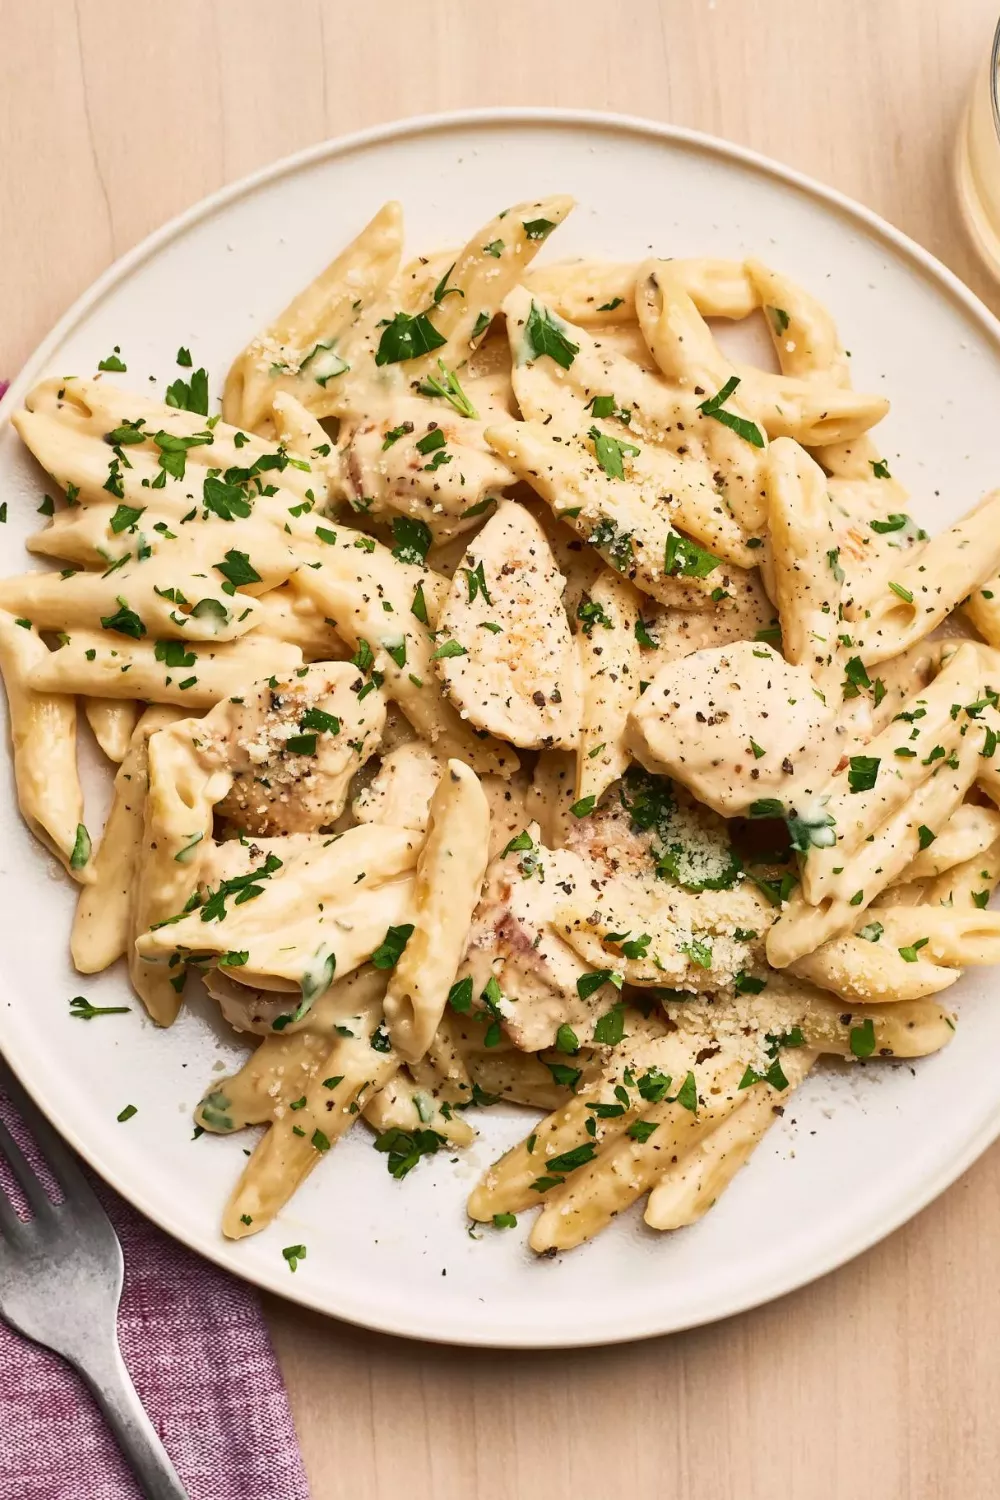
[293,745]
[653,831]
[422,459]
[505,650]
[513,942]
[706,721]
[658,934]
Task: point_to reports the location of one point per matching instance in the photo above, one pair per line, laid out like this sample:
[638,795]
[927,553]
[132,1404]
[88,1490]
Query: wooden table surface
[884,1378]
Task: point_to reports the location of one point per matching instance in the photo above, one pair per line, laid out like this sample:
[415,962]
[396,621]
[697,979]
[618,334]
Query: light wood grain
[883,1380]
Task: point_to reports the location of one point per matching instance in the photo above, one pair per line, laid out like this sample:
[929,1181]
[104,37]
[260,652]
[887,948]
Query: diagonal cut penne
[694,1183]
[611,659]
[710,474]
[806,573]
[43,738]
[99,664]
[784,406]
[925,590]
[112,721]
[297,353]
[448,881]
[628,520]
[101,927]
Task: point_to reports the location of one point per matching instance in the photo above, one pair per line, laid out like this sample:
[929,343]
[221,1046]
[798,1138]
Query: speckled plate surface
[859,1151]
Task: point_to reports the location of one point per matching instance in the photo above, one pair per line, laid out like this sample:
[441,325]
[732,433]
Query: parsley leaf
[743,428]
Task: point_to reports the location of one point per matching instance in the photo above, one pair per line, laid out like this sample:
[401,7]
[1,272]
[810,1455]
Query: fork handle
[112,1388]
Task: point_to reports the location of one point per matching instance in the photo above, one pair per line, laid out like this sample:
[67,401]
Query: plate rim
[864,1237]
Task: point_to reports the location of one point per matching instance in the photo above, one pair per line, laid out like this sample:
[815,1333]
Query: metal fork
[61,1279]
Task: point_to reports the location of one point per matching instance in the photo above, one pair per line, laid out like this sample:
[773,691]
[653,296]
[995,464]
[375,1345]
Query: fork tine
[12,1229]
[32,1188]
[60,1161]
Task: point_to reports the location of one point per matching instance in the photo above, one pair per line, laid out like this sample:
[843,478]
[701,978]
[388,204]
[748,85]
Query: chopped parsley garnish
[125,517]
[653,1086]
[130,1109]
[904,594]
[641,1130]
[896,521]
[687,1094]
[477,582]
[407,337]
[390,950]
[173,654]
[460,996]
[419,606]
[237,569]
[880,468]
[565,1077]
[379,1039]
[190,396]
[80,1007]
[431,440]
[395,433]
[610,452]
[610,306]
[404,1148]
[293,1254]
[617,543]
[910,953]
[855,677]
[743,428]
[863,1038]
[584,807]
[610,1028]
[698,952]
[683,558]
[588,983]
[538,229]
[567,1039]
[319,719]
[301,744]
[449,648]
[450,389]
[112,364]
[590,613]
[545,335]
[125,621]
[863,772]
[412,540]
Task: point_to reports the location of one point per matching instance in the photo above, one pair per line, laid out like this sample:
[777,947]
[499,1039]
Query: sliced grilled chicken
[710,721]
[505,652]
[293,745]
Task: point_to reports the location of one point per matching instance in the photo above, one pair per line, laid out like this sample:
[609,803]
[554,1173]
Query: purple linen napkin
[196,1345]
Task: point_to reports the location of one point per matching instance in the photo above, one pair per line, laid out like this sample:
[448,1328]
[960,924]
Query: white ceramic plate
[859,1150]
